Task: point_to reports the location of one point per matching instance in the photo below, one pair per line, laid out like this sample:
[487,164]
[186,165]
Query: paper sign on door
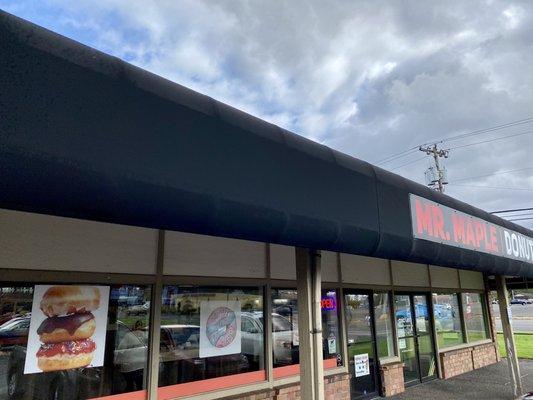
[362,365]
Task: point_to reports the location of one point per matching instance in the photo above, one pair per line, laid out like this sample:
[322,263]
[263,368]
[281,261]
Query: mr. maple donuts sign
[437,223]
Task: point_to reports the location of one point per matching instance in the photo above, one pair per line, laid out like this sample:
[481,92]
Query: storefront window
[447,319]
[330,327]
[384,334]
[475,317]
[54,348]
[210,332]
[285,339]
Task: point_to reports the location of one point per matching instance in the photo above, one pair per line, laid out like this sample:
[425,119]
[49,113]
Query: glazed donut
[63,300]
[65,355]
[70,327]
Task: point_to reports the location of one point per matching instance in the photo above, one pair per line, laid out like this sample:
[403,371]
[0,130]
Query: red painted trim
[138,395]
[207,385]
[291,370]
[283,372]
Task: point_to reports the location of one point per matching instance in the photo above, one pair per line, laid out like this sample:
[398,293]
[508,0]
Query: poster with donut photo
[220,328]
[67,328]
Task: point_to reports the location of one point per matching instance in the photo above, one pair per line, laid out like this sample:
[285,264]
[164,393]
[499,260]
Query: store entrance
[415,337]
[362,360]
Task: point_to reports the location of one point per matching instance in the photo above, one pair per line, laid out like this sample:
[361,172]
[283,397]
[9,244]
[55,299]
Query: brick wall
[457,362]
[484,355]
[392,379]
[336,387]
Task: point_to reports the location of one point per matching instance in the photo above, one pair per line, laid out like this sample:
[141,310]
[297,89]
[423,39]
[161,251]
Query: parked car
[130,357]
[522,302]
[61,385]
[285,340]
[14,332]
[138,309]
[180,359]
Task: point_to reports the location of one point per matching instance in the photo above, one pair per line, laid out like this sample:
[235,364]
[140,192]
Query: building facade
[155,243]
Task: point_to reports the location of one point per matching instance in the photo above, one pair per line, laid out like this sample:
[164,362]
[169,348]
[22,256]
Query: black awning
[86,135]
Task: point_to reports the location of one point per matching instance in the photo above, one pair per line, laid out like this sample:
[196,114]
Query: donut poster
[67,328]
[220,328]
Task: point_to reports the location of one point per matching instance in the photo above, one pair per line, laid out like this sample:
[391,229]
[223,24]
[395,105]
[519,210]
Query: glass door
[362,362]
[415,340]
[424,337]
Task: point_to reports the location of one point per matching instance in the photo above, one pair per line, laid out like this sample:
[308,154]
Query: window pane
[285,339]
[382,315]
[199,332]
[125,357]
[330,325]
[447,319]
[475,317]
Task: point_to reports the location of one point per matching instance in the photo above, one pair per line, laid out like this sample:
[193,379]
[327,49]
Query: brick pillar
[392,378]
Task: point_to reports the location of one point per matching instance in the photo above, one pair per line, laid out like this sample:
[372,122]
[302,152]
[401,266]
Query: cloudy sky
[369,78]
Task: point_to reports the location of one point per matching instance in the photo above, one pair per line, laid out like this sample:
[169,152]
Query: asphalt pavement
[522,317]
[489,383]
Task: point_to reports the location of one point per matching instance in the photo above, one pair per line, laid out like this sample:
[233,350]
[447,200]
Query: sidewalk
[489,383]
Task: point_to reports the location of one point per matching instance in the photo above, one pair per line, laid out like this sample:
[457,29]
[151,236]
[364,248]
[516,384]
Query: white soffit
[365,270]
[201,255]
[282,262]
[328,263]
[442,277]
[45,242]
[471,280]
[409,274]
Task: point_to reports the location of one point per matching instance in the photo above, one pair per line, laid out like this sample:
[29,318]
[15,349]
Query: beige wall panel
[365,270]
[442,277]
[200,255]
[282,262]
[34,241]
[329,266]
[409,274]
[471,280]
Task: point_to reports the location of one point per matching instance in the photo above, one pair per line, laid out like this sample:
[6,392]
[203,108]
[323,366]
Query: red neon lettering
[479,232]
[470,237]
[423,218]
[493,239]
[458,223]
[438,223]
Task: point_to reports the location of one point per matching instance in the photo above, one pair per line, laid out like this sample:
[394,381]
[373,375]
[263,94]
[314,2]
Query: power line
[485,130]
[456,137]
[520,219]
[493,174]
[492,187]
[396,156]
[515,210]
[408,163]
[517,215]
[490,140]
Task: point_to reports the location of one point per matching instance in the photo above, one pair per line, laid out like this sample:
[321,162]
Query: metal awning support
[510,347]
[309,282]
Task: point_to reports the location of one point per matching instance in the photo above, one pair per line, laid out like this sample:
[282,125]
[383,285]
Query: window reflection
[475,317]
[125,358]
[181,327]
[447,319]
[285,339]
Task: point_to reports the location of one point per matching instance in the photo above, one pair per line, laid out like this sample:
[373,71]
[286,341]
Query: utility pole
[436,176]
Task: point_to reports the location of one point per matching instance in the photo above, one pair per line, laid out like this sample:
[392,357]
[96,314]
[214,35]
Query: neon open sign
[328,303]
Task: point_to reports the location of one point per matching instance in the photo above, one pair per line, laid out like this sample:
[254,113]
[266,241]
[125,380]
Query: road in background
[522,317]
